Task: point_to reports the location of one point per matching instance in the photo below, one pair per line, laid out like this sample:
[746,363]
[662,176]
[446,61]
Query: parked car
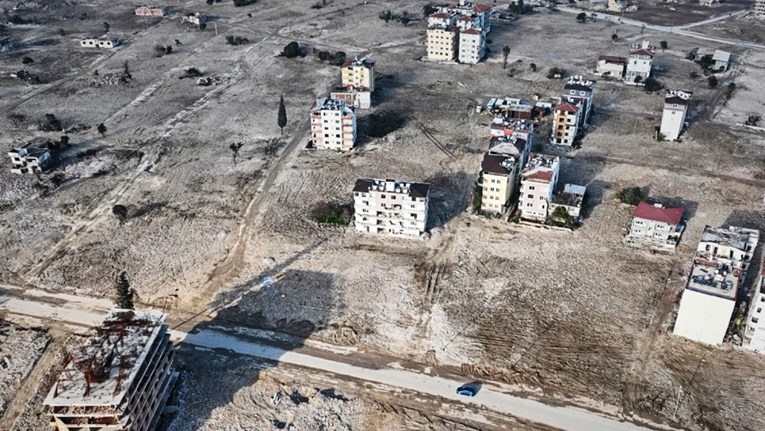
[469,389]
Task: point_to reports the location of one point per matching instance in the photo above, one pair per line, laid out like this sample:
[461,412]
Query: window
[755,320]
[530,196]
[382,196]
[529,204]
[531,187]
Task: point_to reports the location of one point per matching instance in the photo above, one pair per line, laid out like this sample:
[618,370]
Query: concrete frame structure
[719,267]
[118,379]
[611,65]
[581,91]
[639,63]
[673,117]
[754,334]
[391,207]
[29,159]
[566,121]
[656,227]
[333,125]
[538,181]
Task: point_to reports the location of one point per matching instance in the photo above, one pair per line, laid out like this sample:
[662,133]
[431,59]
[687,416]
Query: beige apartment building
[442,43]
[538,181]
[498,177]
[391,207]
[566,120]
[580,91]
[359,73]
[333,125]
[117,379]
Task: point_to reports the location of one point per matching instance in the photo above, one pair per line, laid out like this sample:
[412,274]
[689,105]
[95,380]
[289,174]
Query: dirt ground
[575,314]
[749,28]
[682,12]
[20,348]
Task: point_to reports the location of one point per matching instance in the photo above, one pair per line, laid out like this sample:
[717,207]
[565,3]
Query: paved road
[61,309]
[679,30]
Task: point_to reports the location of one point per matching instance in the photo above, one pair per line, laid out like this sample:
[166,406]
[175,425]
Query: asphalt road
[35,307]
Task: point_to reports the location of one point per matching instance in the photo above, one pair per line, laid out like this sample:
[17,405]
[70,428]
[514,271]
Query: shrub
[712,81]
[291,50]
[239,3]
[49,123]
[693,75]
[663,44]
[237,40]
[652,85]
[429,9]
[581,18]
[752,120]
[630,195]
[27,60]
[331,213]
[556,73]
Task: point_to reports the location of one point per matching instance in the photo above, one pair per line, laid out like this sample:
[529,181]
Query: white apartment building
[333,125]
[639,63]
[472,46]
[759,7]
[442,43]
[611,65]
[391,207]
[673,118]
[29,159]
[497,179]
[516,146]
[656,227]
[580,91]
[754,334]
[481,12]
[709,298]
[117,379]
[359,73]
[538,181]
[566,121]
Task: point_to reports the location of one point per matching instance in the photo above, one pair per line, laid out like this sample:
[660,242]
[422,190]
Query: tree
[27,60]
[652,85]
[693,75]
[705,61]
[520,7]
[533,67]
[660,136]
[106,27]
[49,123]
[235,149]
[101,129]
[121,212]
[614,37]
[429,9]
[581,18]
[663,44]
[560,214]
[712,81]
[630,195]
[124,292]
[17,119]
[282,115]
[292,50]
[505,53]
[638,79]
[210,2]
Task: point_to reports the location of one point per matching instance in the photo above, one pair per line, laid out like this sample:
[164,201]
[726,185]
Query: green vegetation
[124,292]
[630,195]
[651,85]
[282,115]
[291,50]
[712,81]
[332,213]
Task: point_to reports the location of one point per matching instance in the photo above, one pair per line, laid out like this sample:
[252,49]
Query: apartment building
[754,334]
[566,120]
[580,91]
[361,99]
[359,73]
[507,127]
[656,227]
[481,12]
[719,268]
[611,65]
[759,7]
[333,125]
[639,63]
[511,107]
[675,109]
[105,43]
[538,181]
[497,180]
[442,43]
[391,207]
[29,159]
[472,45]
[117,379]
[570,198]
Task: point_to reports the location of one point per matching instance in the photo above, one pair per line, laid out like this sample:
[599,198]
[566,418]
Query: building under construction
[116,379]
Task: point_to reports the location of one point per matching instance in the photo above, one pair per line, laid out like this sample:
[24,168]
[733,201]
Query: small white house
[721,60]
[102,42]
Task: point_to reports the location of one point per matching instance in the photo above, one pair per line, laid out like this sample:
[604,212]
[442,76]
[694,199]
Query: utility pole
[216,28]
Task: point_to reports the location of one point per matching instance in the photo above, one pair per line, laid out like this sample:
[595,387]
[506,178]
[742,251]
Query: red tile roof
[647,211]
[481,7]
[471,31]
[612,58]
[545,176]
[642,52]
[566,107]
[440,15]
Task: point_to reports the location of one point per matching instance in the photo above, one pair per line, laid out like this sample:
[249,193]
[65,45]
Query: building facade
[118,379]
[759,7]
[105,43]
[719,267]
[538,181]
[472,45]
[361,99]
[754,334]
[498,177]
[442,43]
[458,32]
[611,66]
[673,117]
[655,227]
[30,159]
[149,11]
[580,91]
[391,207]
[359,73]
[566,120]
[571,198]
[333,125]
[639,63]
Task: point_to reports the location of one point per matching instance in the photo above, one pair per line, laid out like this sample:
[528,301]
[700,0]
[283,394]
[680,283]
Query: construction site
[210,208]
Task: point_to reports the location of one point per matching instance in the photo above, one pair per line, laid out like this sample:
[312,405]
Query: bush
[237,40]
[693,75]
[333,58]
[614,37]
[292,50]
[27,60]
[753,120]
[705,61]
[652,85]
[191,72]
[332,213]
[729,90]
[630,195]
[428,10]
[239,3]
[581,18]
[556,73]
[663,44]
[712,81]
[49,123]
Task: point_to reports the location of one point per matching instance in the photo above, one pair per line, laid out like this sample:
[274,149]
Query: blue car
[469,390]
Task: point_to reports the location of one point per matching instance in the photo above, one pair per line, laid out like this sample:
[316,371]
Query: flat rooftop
[735,237]
[714,278]
[104,366]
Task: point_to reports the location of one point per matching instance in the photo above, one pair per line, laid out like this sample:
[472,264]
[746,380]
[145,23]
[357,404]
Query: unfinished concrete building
[117,379]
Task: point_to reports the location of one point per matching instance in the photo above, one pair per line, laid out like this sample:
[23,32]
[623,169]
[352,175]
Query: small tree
[235,147]
[505,53]
[560,214]
[630,195]
[210,2]
[693,75]
[660,136]
[520,7]
[712,81]
[27,60]
[652,85]
[614,37]
[663,44]
[281,119]
[101,129]
[533,67]
[106,27]
[581,18]
[124,292]
[121,212]
[638,79]
[17,119]
[292,50]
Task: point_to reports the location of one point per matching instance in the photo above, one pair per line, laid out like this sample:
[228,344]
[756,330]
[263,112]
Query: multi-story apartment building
[566,120]
[29,159]
[580,91]
[472,43]
[759,7]
[754,334]
[639,63]
[611,65]
[481,12]
[117,379]
[359,73]
[504,126]
[673,118]
[442,43]
[333,125]
[497,179]
[656,227]
[538,181]
[391,207]
[719,267]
